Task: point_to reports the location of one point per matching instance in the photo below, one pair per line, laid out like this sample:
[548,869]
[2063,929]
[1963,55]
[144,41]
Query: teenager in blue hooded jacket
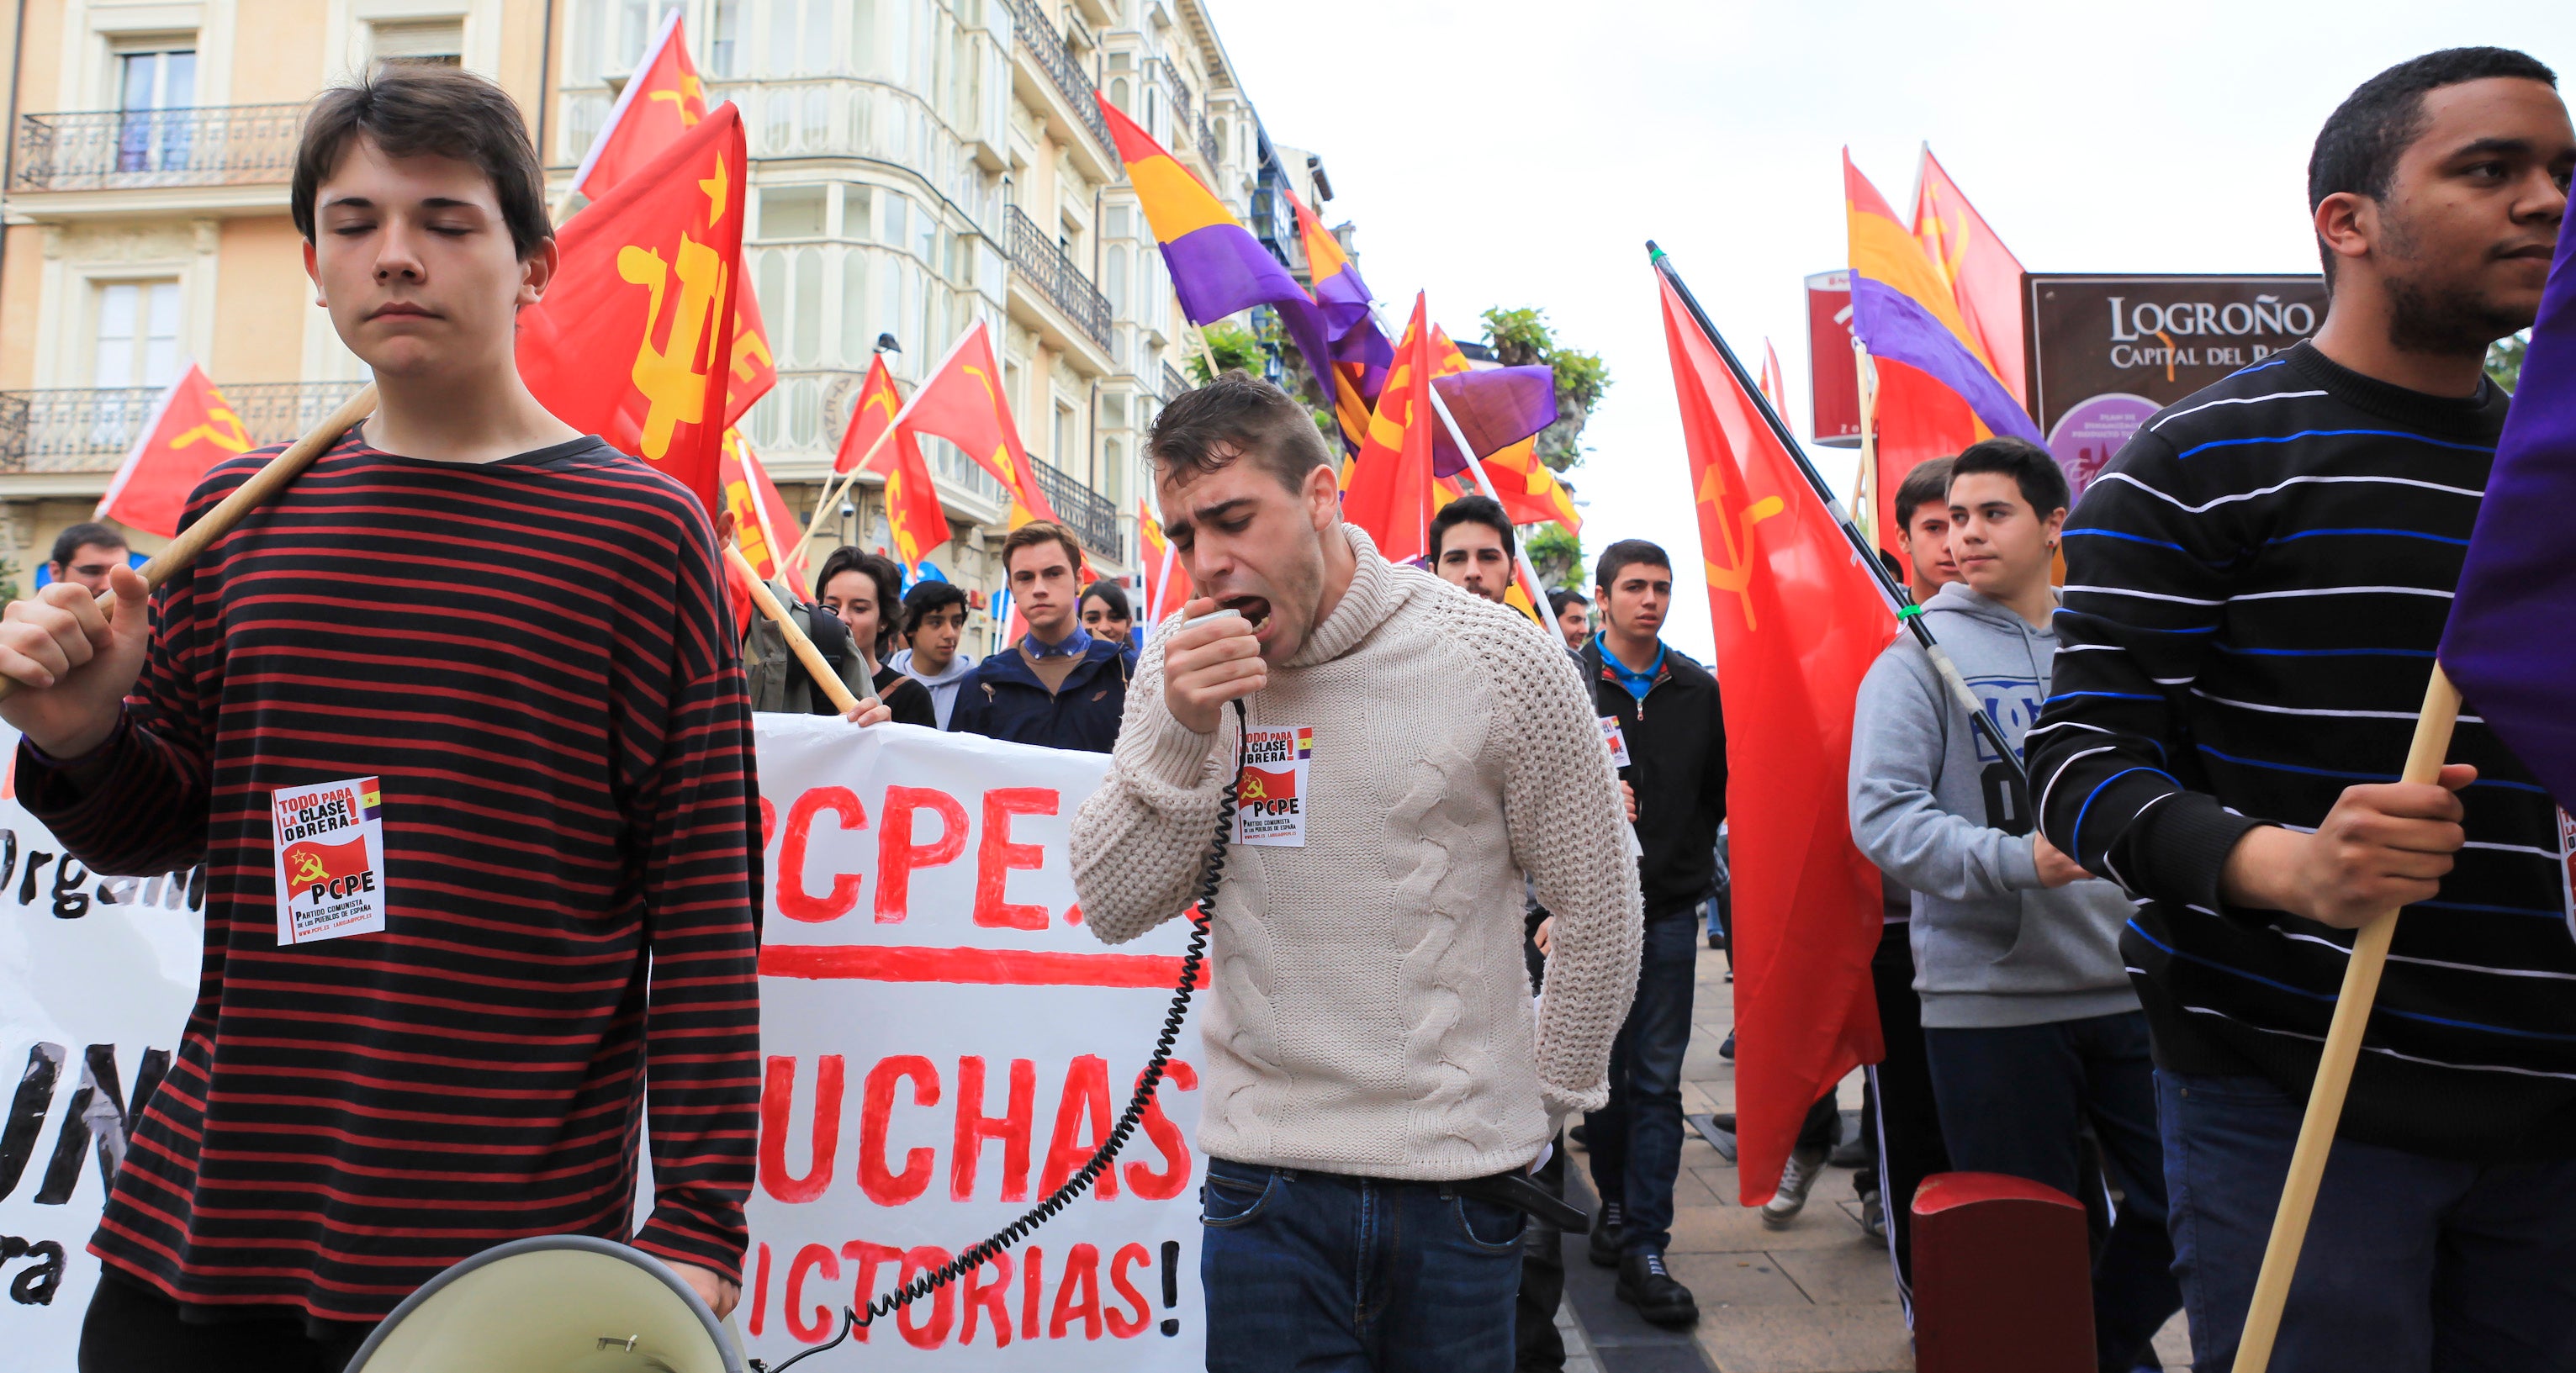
[1059,686]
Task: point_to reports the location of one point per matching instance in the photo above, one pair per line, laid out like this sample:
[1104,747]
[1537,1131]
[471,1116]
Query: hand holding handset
[1213,658]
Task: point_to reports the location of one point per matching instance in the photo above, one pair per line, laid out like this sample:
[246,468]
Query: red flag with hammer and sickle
[631,339]
[661,103]
[1797,622]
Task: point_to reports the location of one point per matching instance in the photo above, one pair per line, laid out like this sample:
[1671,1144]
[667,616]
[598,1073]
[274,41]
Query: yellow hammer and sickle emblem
[308,868]
[1738,574]
[1252,790]
[222,428]
[667,376]
[750,351]
[690,89]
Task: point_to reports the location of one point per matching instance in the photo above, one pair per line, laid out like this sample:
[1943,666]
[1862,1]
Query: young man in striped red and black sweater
[2255,589]
[520,637]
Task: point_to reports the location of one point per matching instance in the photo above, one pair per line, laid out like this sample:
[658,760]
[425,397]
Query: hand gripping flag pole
[1898,597]
[2335,1063]
[257,490]
[264,485]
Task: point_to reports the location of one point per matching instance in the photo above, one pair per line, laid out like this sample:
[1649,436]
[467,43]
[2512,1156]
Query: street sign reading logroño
[2107,352]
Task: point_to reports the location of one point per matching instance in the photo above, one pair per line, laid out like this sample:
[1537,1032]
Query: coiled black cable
[1191,959]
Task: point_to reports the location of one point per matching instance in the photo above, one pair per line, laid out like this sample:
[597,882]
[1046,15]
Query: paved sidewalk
[1816,1297]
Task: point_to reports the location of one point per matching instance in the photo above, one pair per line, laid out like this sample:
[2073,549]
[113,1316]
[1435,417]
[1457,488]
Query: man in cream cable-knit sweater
[1369,1045]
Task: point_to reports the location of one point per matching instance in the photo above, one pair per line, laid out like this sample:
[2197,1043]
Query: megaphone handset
[1192,959]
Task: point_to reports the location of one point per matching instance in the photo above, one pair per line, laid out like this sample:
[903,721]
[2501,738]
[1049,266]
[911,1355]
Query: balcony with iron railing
[1034,254]
[1174,384]
[1086,512]
[210,145]
[1047,45]
[89,428]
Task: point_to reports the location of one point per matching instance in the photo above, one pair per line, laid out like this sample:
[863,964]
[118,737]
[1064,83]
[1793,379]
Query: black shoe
[1606,1235]
[1717,941]
[1727,1050]
[1645,1284]
[1582,1138]
[1852,1153]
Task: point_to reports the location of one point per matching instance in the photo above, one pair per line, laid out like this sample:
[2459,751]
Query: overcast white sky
[1513,152]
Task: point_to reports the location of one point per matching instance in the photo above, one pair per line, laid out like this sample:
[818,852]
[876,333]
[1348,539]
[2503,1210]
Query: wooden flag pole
[261,487]
[806,653]
[2335,1064]
[1537,589]
[1865,481]
[833,490]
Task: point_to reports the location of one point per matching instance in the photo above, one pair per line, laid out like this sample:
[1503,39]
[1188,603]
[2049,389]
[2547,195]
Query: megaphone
[552,1304]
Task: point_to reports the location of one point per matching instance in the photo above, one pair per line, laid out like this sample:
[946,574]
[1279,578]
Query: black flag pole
[1899,597]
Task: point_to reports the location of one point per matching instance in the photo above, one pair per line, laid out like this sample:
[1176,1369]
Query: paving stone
[1808,1339]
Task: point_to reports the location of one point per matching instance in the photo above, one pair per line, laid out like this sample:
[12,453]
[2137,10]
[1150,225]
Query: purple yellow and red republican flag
[2516,579]
[1905,310]
[1361,352]
[1984,276]
[1217,267]
[1798,621]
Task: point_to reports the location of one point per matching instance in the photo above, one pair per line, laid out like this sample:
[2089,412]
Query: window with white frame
[439,42]
[135,331]
[156,83]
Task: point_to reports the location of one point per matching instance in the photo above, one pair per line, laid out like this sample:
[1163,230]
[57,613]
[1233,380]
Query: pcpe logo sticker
[1270,793]
[330,860]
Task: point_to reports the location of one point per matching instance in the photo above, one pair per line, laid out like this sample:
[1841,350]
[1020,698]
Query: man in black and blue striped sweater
[2255,590]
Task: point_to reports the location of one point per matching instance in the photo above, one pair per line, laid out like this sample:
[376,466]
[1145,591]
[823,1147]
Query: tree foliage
[1236,348]
[1556,555]
[2504,360]
[1523,338]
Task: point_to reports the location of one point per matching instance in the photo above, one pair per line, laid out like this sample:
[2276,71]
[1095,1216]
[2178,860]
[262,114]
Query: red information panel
[1833,383]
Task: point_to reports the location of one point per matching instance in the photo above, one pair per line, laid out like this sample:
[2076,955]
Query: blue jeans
[2014,1101]
[2411,1263]
[1326,1273]
[1636,1137]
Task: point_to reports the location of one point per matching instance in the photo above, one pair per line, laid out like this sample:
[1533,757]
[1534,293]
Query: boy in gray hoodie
[934,619]
[2028,1017]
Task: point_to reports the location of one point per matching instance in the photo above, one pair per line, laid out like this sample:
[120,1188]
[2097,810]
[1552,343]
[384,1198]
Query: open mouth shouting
[1255,609]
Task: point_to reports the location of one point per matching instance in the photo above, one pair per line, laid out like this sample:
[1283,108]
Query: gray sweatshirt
[943,687]
[1992,947]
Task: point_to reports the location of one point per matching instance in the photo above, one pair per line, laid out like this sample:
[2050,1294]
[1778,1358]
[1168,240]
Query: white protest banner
[942,1043]
[97,975]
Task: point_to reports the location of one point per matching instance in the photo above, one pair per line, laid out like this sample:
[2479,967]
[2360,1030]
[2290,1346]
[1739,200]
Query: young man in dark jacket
[1058,687]
[2255,589]
[1670,746]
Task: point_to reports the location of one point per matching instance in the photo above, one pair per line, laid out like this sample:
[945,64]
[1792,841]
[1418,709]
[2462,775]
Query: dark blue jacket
[1003,699]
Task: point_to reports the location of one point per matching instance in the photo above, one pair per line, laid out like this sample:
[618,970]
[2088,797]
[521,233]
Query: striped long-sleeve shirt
[2255,590]
[536,658]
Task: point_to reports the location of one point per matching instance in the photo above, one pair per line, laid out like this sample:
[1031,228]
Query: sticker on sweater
[1270,795]
[330,860]
[1617,741]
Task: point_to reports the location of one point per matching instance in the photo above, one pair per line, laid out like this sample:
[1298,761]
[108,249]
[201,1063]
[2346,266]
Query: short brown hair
[420,109]
[1036,532]
[1927,484]
[1238,416]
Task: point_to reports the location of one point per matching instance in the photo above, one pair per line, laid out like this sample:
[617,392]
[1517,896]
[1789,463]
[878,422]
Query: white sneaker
[1796,1181]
